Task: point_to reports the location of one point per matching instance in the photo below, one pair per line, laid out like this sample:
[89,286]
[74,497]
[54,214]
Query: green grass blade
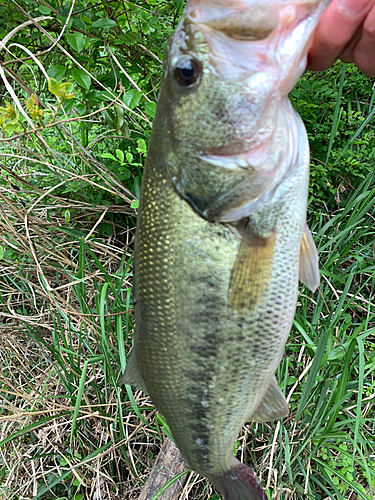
[343,478]
[162,490]
[81,388]
[311,379]
[335,121]
[361,371]
[357,133]
[31,427]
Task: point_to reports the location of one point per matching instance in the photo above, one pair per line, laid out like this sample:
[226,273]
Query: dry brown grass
[37,286]
[49,327]
[37,410]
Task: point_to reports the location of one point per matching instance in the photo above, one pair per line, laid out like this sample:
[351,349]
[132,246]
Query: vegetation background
[78,89]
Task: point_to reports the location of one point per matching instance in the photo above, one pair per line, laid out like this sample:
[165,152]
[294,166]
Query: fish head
[228,69]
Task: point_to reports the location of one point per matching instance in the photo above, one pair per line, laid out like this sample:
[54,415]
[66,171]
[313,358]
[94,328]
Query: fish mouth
[237,19]
[257,35]
[226,156]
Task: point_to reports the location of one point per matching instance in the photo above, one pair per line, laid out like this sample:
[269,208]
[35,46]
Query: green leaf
[142,146]
[108,117]
[129,157]
[9,128]
[76,40]
[124,173]
[125,130]
[76,483]
[66,215]
[57,71]
[65,88]
[68,105]
[44,10]
[131,98]
[54,87]
[1,252]
[178,4]
[150,108]
[109,155]
[81,109]
[104,23]
[82,78]
[120,155]
[79,23]
[134,204]
[119,117]
[62,20]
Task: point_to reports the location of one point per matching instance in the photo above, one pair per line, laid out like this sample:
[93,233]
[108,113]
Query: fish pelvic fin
[132,374]
[308,262]
[273,405]
[239,483]
[250,276]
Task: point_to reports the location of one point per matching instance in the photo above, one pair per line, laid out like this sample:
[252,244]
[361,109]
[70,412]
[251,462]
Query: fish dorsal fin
[308,261]
[132,374]
[251,271]
[273,405]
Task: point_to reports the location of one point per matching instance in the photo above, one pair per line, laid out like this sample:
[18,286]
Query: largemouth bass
[221,237]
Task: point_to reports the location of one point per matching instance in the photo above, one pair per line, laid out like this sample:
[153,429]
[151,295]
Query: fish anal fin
[308,262]
[132,374]
[273,405]
[251,271]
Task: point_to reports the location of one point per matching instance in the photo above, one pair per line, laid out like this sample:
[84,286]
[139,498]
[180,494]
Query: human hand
[346,31]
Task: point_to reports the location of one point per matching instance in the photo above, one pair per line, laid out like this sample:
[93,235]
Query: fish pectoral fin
[273,405]
[251,271]
[308,261]
[132,374]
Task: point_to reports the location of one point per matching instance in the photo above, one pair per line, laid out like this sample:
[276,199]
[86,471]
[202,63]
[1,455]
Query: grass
[67,430]
[334,401]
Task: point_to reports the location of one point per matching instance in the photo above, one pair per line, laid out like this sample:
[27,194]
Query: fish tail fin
[239,483]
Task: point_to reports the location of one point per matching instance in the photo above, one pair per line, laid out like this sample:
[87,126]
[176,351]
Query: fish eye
[187,71]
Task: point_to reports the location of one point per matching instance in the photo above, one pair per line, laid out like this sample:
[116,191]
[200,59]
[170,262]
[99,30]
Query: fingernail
[354,8]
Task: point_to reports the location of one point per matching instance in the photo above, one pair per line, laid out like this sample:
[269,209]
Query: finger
[347,54]
[335,30]
[364,51]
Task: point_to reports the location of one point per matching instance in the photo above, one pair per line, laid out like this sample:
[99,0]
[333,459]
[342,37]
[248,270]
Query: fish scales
[222,216]
[197,368]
